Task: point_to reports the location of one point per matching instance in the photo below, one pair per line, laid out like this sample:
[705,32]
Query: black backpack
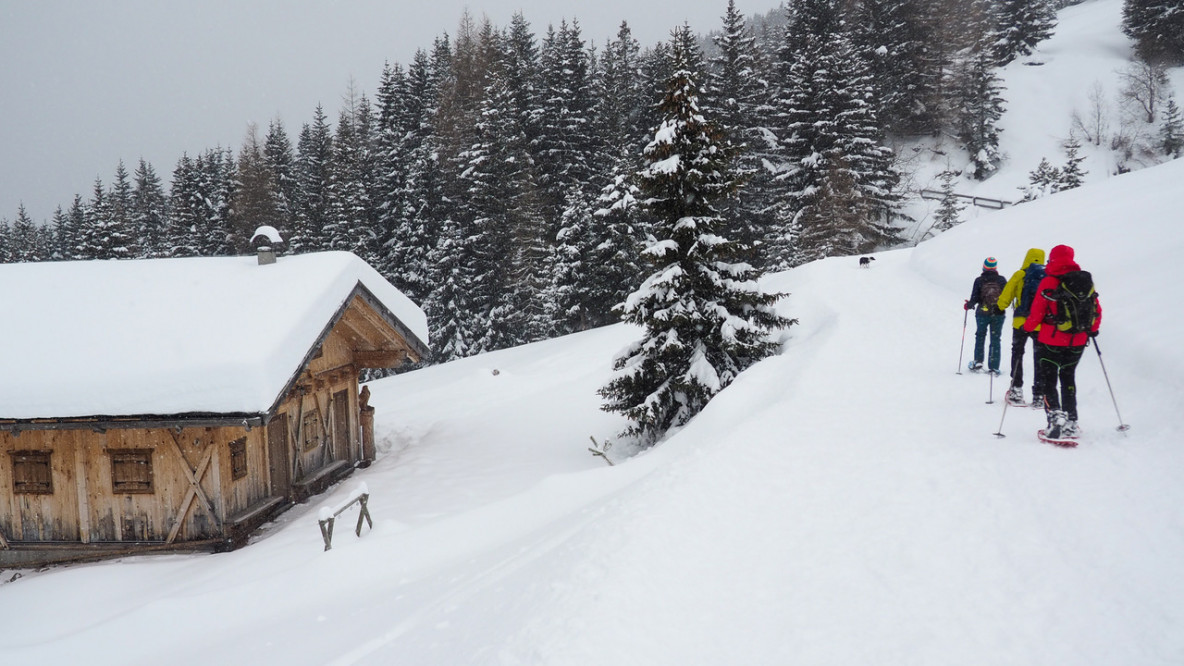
[988,295]
[1032,277]
[1077,303]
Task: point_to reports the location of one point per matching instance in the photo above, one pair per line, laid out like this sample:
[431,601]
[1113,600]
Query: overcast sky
[86,83]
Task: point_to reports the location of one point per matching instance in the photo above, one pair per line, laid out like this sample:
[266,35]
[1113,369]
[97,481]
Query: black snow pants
[1058,364]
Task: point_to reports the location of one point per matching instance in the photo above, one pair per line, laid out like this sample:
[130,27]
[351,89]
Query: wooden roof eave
[417,347]
[101,423]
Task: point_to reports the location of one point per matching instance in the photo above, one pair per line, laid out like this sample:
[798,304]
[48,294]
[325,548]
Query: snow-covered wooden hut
[173,404]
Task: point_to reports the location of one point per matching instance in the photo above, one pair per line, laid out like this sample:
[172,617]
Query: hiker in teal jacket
[984,299]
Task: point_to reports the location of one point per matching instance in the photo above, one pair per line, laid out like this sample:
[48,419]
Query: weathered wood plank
[83,496]
[194,491]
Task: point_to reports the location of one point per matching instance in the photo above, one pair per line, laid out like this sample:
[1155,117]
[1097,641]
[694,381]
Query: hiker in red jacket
[1058,345]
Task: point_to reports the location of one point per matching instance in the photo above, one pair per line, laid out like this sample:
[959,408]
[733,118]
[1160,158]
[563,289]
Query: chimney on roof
[265,242]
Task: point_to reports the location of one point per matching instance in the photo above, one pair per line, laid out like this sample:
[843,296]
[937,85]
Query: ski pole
[999,433]
[1122,427]
[991,388]
[962,348]
[1015,364]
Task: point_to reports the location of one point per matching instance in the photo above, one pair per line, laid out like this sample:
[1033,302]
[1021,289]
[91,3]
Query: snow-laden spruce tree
[705,317]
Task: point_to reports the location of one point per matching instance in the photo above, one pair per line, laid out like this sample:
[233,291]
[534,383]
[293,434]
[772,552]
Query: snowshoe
[1037,401]
[1015,397]
[1063,441]
[975,366]
[1054,433]
[994,373]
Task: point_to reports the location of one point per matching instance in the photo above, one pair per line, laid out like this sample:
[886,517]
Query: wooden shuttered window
[238,458]
[131,471]
[32,473]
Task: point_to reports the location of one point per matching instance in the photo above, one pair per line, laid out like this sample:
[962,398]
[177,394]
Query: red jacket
[1060,261]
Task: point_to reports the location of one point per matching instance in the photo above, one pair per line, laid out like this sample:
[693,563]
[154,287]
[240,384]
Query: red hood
[1060,261]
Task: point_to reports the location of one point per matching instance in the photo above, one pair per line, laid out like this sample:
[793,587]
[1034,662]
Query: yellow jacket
[1010,296]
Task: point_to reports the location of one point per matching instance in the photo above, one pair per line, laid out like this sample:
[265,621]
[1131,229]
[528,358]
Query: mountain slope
[842,503]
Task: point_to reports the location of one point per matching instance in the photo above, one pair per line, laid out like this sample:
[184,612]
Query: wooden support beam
[195,491]
[83,496]
[379,359]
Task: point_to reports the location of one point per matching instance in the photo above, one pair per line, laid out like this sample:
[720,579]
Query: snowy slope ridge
[842,503]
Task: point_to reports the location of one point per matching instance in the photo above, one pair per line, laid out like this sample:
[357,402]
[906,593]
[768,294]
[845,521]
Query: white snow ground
[842,503]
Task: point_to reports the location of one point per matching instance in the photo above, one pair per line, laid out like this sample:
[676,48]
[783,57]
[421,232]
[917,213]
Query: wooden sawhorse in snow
[328,515]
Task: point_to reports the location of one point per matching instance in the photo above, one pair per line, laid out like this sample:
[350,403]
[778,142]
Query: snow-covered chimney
[265,241]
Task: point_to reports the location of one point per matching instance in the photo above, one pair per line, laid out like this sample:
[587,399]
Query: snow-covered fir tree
[705,319]
[216,183]
[829,132]
[1042,181]
[149,218]
[1157,26]
[184,208]
[116,235]
[503,216]
[105,233]
[1022,24]
[455,325]
[254,203]
[622,101]
[5,242]
[978,117]
[351,214]
[738,82]
[896,38]
[22,238]
[407,259]
[565,145]
[1171,132]
[1071,175]
[314,151]
[280,163]
[596,256]
[949,210]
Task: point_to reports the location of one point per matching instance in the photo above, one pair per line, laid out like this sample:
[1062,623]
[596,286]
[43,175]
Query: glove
[1093,334]
[966,304]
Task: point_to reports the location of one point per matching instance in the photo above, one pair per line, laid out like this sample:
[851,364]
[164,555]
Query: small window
[311,430]
[131,471]
[238,458]
[32,473]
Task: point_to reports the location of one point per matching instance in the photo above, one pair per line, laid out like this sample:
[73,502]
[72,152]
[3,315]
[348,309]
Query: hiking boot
[1070,429]
[1015,396]
[975,366]
[1037,401]
[1056,424]
[994,373]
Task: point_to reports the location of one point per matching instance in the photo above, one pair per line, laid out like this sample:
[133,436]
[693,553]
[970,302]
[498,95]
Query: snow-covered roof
[217,335]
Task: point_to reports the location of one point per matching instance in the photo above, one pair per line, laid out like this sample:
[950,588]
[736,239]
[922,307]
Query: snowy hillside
[845,502]
[1079,70]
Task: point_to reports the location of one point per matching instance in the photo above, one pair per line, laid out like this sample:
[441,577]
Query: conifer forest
[498,178]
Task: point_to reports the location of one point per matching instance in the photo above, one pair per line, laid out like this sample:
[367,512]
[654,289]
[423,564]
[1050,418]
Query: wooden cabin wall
[86,507]
[323,410]
[41,517]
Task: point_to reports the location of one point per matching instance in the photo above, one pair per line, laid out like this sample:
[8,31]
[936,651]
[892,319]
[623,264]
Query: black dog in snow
[866,262]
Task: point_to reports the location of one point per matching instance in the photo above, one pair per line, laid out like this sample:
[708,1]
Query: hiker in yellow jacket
[1018,293]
